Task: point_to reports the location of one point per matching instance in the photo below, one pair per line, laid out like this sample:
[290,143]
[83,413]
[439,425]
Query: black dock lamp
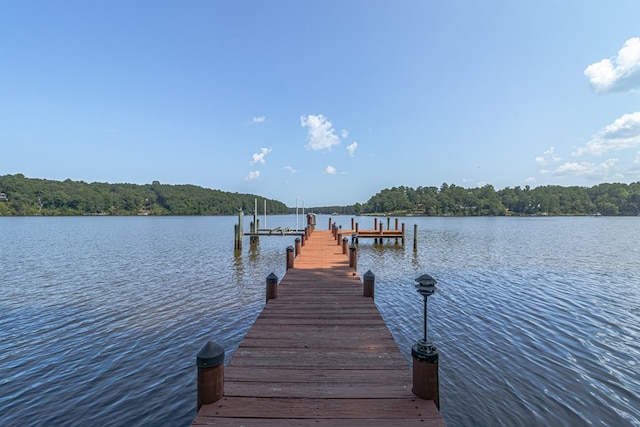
[425,355]
[426,287]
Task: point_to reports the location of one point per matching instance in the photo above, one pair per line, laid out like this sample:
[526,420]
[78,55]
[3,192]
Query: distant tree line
[451,200]
[20,195]
[30,196]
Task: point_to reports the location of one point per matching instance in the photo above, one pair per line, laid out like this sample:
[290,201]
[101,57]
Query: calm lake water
[537,320]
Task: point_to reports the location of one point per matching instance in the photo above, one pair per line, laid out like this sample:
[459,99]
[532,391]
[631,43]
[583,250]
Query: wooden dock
[378,233]
[320,354]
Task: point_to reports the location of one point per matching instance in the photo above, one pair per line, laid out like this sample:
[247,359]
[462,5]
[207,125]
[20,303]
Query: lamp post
[425,355]
[426,287]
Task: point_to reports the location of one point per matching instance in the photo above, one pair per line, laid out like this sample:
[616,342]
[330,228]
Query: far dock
[319,354]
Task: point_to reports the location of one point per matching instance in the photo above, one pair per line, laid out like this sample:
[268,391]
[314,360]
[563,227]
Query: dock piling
[272,287]
[353,257]
[210,363]
[239,231]
[345,245]
[298,246]
[368,288]
[290,257]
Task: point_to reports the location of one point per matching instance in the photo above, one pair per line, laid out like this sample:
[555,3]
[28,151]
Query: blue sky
[326,102]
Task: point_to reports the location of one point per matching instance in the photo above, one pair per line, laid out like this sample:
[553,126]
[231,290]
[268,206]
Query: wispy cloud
[321,134]
[619,74]
[290,169]
[258,119]
[252,175]
[259,157]
[330,170]
[351,148]
[622,133]
[344,133]
[548,156]
[585,169]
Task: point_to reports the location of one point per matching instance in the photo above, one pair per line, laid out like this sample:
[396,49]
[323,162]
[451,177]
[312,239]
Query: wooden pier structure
[319,354]
[378,233]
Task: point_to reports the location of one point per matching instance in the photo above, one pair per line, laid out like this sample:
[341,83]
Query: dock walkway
[320,354]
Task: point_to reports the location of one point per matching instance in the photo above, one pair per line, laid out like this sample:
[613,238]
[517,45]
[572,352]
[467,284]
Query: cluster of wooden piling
[379,233]
[318,354]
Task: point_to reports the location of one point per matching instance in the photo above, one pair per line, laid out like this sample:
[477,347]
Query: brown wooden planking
[297,422]
[320,354]
[349,376]
[301,408]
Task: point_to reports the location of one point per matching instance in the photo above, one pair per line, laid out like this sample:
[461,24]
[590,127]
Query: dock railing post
[369,285]
[345,245]
[289,257]
[298,246]
[272,287]
[210,363]
[339,239]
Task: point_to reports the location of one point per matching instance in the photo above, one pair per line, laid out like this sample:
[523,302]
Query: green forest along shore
[22,196]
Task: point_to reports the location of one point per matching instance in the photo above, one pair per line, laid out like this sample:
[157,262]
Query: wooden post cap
[272,278]
[210,356]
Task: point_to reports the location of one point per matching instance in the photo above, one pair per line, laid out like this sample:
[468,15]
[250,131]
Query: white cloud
[530,180]
[344,133]
[351,148]
[252,175]
[290,169]
[259,157]
[619,74]
[585,168]
[258,119]
[621,134]
[321,133]
[548,156]
[330,170]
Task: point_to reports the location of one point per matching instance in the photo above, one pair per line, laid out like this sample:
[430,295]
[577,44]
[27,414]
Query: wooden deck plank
[348,376]
[284,422]
[319,354]
[303,408]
